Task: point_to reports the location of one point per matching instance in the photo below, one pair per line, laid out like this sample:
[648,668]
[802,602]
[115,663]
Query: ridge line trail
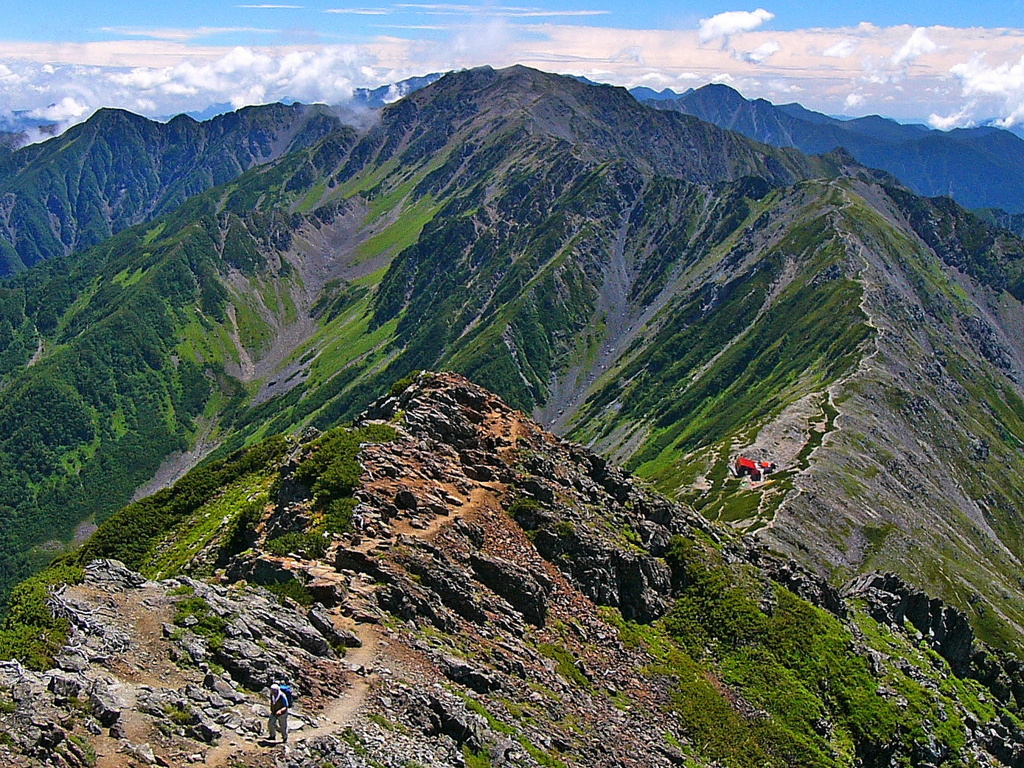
[335,715]
[338,712]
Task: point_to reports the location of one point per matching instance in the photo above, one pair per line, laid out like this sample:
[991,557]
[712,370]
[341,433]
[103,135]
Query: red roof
[746,463]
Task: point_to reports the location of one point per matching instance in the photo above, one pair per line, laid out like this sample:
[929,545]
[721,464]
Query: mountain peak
[517,79]
[596,122]
[719,90]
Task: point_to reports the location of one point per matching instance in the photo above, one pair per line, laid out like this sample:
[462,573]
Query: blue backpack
[286,693]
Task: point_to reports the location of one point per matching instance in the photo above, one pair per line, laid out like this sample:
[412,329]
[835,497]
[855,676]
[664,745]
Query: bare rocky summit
[505,598]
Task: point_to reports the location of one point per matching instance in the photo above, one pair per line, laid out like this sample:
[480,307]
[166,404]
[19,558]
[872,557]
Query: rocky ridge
[499,601]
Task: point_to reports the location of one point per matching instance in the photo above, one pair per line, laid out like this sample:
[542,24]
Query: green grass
[400,235]
[179,715]
[136,533]
[124,278]
[474,759]
[206,342]
[292,589]
[331,470]
[29,631]
[347,339]
[727,660]
[312,198]
[195,614]
[565,664]
[309,545]
[254,333]
[212,521]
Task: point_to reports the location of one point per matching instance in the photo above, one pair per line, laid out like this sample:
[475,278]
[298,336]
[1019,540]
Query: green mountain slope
[118,169]
[153,342]
[666,291]
[859,353]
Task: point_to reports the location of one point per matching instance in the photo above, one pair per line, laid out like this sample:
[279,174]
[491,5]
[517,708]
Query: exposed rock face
[892,601]
[522,590]
[131,681]
[946,629]
[470,615]
[556,491]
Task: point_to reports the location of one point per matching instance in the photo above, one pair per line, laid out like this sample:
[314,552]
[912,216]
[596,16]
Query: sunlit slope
[668,292]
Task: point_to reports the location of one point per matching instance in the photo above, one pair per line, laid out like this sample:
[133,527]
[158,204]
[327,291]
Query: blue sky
[948,63]
[87,20]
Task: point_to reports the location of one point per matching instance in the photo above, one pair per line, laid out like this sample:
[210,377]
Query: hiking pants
[279,722]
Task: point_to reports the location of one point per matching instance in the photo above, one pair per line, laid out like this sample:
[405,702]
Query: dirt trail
[333,715]
[341,711]
[336,713]
[485,493]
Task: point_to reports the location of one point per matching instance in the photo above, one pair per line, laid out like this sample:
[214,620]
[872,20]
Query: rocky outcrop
[559,493]
[947,630]
[493,602]
[525,592]
[190,680]
[797,580]
[893,602]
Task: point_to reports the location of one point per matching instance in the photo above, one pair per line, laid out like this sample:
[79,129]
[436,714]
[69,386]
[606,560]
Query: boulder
[104,704]
[463,673]
[513,583]
[112,575]
[321,621]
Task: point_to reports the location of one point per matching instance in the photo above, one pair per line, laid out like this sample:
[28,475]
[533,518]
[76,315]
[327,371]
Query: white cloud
[395,92]
[917,45]
[1004,81]
[458,9]
[360,11]
[633,54]
[960,119]
[478,41]
[845,47]
[239,76]
[725,25]
[185,34]
[759,54]
[784,88]
[66,110]
[8,76]
[898,71]
[852,101]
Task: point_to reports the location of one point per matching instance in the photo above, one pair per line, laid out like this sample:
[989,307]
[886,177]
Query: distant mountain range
[978,167]
[671,293]
[371,98]
[118,169]
[17,129]
[375,98]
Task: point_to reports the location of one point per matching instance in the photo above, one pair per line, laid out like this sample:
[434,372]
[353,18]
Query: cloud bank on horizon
[951,76]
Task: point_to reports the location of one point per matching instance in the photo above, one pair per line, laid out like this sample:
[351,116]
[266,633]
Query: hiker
[279,703]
